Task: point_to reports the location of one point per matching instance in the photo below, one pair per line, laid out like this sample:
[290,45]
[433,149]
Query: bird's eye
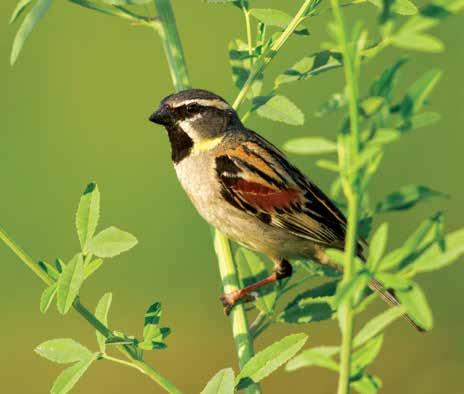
[192,109]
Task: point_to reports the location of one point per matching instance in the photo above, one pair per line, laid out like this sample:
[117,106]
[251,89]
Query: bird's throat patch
[181,143]
[206,145]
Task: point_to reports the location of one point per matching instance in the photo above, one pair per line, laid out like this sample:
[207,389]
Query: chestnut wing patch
[269,197]
[264,197]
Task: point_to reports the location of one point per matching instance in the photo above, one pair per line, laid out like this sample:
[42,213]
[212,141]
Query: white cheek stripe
[215,103]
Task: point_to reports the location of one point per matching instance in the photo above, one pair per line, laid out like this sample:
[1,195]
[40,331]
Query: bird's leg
[283,269]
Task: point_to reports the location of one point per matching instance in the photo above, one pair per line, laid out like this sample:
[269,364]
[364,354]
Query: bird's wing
[256,178]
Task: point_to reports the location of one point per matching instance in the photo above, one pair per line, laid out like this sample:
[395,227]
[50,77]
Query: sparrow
[246,188]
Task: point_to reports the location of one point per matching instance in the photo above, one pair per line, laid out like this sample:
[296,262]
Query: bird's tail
[389,297]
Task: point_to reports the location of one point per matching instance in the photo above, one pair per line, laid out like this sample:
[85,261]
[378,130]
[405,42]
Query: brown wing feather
[257,178]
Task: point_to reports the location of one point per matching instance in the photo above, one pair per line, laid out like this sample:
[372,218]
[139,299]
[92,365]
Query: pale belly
[197,177]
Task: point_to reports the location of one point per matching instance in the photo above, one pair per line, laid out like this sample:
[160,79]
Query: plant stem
[246,13]
[228,272]
[129,352]
[269,54]
[172,45]
[242,337]
[348,157]
[25,258]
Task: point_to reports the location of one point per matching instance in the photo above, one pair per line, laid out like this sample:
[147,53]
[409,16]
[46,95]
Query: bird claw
[229,300]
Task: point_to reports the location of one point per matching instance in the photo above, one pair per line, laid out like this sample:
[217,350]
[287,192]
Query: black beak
[161,116]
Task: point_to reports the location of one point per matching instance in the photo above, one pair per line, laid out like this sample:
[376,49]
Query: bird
[245,187]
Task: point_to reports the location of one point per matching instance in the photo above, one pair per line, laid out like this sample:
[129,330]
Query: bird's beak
[161,116]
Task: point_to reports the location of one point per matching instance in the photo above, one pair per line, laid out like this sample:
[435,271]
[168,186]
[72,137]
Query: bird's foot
[230,299]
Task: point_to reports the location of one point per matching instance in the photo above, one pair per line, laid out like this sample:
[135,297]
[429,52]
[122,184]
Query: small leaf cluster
[67,280]
[69,277]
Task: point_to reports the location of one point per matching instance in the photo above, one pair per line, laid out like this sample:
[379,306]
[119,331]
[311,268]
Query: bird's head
[193,118]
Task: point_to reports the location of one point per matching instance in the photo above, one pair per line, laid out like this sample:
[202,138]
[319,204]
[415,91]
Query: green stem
[269,54]
[348,158]
[24,257]
[127,351]
[228,272]
[172,45]
[242,338]
[246,13]
[119,361]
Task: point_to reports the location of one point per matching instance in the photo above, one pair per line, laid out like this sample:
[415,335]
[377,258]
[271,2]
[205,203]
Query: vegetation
[374,116]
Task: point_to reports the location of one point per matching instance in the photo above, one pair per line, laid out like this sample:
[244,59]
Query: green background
[75,109]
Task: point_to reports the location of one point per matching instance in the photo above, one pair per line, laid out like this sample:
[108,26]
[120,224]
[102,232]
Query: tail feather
[388,296]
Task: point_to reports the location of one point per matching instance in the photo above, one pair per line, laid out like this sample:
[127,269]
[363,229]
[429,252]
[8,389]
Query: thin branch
[269,54]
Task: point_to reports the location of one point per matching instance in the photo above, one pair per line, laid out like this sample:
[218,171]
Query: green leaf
[377,325]
[252,269]
[310,146]
[153,335]
[88,214]
[385,85]
[280,109]
[70,376]
[240,62]
[377,247]
[310,66]
[63,351]
[366,354]
[20,7]
[385,136]
[318,356]
[419,120]
[221,383]
[47,297]
[328,165]
[416,304]
[48,269]
[434,258]
[60,265]
[367,384]
[37,12]
[413,246]
[70,283]
[371,105]
[111,242]
[401,7]
[419,91]
[268,360]
[277,18]
[310,306]
[418,42]
[151,321]
[91,267]
[406,197]
[101,313]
